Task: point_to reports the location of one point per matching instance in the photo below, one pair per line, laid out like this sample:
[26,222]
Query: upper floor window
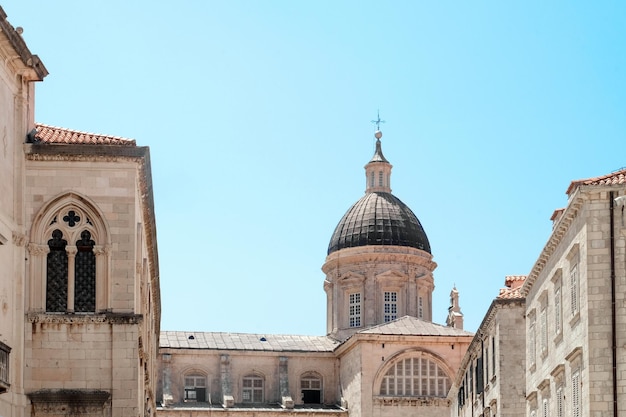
[576,404]
[195,388]
[390,306]
[71,268]
[420,307]
[4,367]
[380,178]
[253,389]
[558,312]
[416,377]
[68,250]
[574,289]
[355,309]
[532,341]
[543,337]
[311,386]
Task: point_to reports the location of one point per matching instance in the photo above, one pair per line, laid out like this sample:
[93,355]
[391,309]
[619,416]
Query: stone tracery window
[415,377]
[85,274]
[69,251]
[56,272]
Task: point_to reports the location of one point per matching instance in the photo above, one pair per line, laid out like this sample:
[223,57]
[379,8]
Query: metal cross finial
[378,121]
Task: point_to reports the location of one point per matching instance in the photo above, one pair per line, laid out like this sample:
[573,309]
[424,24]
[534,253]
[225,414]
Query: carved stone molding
[112,318]
[69,402]
[19,239]
[100,250]
[38,250]
[412,401]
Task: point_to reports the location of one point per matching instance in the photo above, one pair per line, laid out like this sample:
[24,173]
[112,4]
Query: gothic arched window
[56,271]
[85,274]
[415,377]
[68,248]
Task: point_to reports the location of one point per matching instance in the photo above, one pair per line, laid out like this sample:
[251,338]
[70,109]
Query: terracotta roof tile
[510,293]
[617,177]
[58,135]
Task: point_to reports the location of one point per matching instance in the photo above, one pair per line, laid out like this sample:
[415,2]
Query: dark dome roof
[379,219]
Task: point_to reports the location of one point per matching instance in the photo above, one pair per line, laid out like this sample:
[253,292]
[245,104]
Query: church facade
[382,354]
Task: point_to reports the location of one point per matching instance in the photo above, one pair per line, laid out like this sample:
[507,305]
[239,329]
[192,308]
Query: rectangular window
[558,316]
[252,389]
[380,178]
[543,318]
[195,388]
[493,355]
[4,367]
[574,292]
[576,394]
[532,342]
[372,179]
[559,402]
[390,306]
[544,408]
[487,364]
[420,307]
[355,309]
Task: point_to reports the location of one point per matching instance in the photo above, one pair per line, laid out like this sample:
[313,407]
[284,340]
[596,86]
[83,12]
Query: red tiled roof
[59,135]
[617,177]
[510,293]
[513,285]
[557,213]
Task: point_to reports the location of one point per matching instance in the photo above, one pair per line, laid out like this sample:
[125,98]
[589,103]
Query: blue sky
[257,115]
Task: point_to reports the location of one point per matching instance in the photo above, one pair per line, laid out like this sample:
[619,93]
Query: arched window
[415,377]
[311,389]
[56,272]
[253,388]
[69,250]
[195,388]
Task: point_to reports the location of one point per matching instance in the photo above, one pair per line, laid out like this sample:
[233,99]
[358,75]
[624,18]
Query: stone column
[71,276]
[283,382]
[225,379]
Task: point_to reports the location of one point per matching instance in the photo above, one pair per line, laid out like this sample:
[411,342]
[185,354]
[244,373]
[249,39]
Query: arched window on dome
[418,376]
[68,249]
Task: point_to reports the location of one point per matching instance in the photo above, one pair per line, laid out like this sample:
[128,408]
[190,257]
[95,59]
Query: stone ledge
[64,318]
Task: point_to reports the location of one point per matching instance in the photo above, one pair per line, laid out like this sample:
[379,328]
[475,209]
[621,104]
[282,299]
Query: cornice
[565,221]
[378,254]
[111,318]
[412,401]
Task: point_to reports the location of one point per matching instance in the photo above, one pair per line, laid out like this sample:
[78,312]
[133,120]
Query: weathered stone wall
[208,363]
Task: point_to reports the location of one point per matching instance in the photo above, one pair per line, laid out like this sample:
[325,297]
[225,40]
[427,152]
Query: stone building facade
[575,317]
[79,286]
[486,384]
[568,351]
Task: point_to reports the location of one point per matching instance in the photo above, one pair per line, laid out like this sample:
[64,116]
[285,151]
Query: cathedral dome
[379,218]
